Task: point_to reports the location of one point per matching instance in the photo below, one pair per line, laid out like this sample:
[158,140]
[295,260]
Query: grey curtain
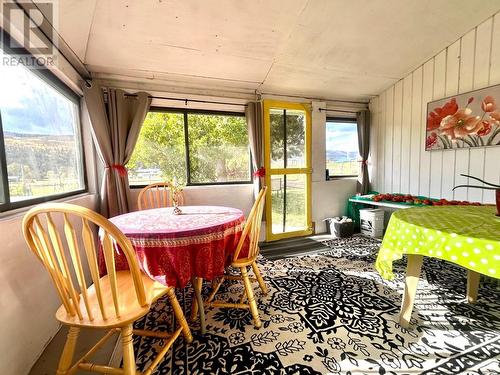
[363,120]
[115,129]
[254,116]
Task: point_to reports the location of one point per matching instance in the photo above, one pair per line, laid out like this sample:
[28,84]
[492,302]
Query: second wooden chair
[158,195]
[241,261]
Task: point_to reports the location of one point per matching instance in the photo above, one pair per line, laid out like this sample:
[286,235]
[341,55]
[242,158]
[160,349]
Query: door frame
[269,104]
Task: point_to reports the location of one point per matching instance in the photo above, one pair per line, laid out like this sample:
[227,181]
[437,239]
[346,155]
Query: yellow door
[287,159]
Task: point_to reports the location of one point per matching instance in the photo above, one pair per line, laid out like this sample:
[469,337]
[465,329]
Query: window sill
[195,186]
[333,178]
[19,212]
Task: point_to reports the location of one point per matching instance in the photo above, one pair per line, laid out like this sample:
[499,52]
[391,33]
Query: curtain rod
[186,101]
[336,110]
[316,99]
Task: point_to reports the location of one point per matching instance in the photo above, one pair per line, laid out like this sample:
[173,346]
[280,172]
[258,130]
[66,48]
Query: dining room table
[177,248]
[468,236]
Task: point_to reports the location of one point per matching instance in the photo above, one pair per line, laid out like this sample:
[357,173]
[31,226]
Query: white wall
[28,301]
[398,159]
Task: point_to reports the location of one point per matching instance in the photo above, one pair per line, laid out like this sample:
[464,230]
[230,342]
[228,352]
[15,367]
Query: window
[40,139]
[342,153]
[193,147]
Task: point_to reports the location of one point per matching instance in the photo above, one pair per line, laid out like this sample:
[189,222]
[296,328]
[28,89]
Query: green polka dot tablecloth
[465,235]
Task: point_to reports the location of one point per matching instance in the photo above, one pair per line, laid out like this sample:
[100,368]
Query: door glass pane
[277,119]
[288,194]
[295,139]
[287,138]
[278,202]
[295,202]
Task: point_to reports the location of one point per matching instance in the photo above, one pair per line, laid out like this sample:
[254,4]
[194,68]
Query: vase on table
[176,191]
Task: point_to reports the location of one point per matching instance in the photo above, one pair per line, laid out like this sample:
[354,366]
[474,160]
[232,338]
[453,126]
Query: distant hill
[341,156]
[47,137]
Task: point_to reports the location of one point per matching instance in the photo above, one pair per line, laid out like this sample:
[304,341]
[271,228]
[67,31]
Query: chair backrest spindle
[251,231]
[158,195]
[47,244]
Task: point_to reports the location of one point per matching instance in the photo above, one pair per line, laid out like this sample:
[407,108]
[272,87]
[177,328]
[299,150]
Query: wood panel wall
[399,162]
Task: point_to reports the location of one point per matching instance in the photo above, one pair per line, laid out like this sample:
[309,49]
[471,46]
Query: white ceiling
[330,49]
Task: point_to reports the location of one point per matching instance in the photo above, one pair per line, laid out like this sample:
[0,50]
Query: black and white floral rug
[332,313]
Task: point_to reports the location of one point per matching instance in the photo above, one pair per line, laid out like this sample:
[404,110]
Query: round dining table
[468,236]
[175,249]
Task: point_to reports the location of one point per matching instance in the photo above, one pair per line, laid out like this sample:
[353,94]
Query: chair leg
[128,351]
[250,297]
[68,351]
[179,315]
[260,280]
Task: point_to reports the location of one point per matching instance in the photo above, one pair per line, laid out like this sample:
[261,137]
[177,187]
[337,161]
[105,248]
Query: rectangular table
[468,236]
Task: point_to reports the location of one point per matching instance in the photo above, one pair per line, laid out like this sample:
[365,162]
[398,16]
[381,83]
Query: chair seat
[244,261]
[130,310]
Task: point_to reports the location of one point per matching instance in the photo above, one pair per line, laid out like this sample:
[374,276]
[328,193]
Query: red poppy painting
[465,120]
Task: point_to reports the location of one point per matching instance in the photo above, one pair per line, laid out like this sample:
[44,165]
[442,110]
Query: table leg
[197,284]
[472,285]
[412,275]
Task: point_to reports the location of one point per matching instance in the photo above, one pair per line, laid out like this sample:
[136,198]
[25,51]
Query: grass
[19,191]
[346,168]
[295,210]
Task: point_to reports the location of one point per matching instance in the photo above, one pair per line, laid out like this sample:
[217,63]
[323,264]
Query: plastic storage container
[372,222]
[340,227]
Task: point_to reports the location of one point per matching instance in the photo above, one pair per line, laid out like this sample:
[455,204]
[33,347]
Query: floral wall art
[466,120]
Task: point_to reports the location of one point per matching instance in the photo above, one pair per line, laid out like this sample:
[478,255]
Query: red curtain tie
[363,162]
[261,172]
[120,169]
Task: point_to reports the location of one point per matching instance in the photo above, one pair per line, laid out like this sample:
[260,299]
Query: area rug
[332,313]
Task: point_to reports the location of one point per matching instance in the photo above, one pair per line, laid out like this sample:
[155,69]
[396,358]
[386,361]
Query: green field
[295,210]
[20,191]
[346,168]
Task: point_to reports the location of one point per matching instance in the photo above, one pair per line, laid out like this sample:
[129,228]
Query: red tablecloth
[174,248]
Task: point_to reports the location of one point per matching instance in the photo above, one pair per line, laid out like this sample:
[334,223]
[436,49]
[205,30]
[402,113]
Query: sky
[29,105]
[341,136]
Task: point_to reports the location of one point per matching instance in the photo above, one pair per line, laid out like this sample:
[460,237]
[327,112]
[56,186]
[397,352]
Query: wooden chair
[250,235]
[112,302]
[158,195]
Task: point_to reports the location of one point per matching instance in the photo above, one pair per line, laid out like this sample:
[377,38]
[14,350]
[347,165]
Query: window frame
[53,81]
[185,113]
[351,120]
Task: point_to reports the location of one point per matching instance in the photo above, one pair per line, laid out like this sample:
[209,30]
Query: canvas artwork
[466,120]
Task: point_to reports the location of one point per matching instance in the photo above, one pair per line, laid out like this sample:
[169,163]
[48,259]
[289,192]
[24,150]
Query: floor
[47,363]
[331,313]
[294,247]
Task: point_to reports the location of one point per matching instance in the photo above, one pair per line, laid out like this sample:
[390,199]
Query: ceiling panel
[379,38]
[73,21]
[323,83]
[172,59]
[322,48]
